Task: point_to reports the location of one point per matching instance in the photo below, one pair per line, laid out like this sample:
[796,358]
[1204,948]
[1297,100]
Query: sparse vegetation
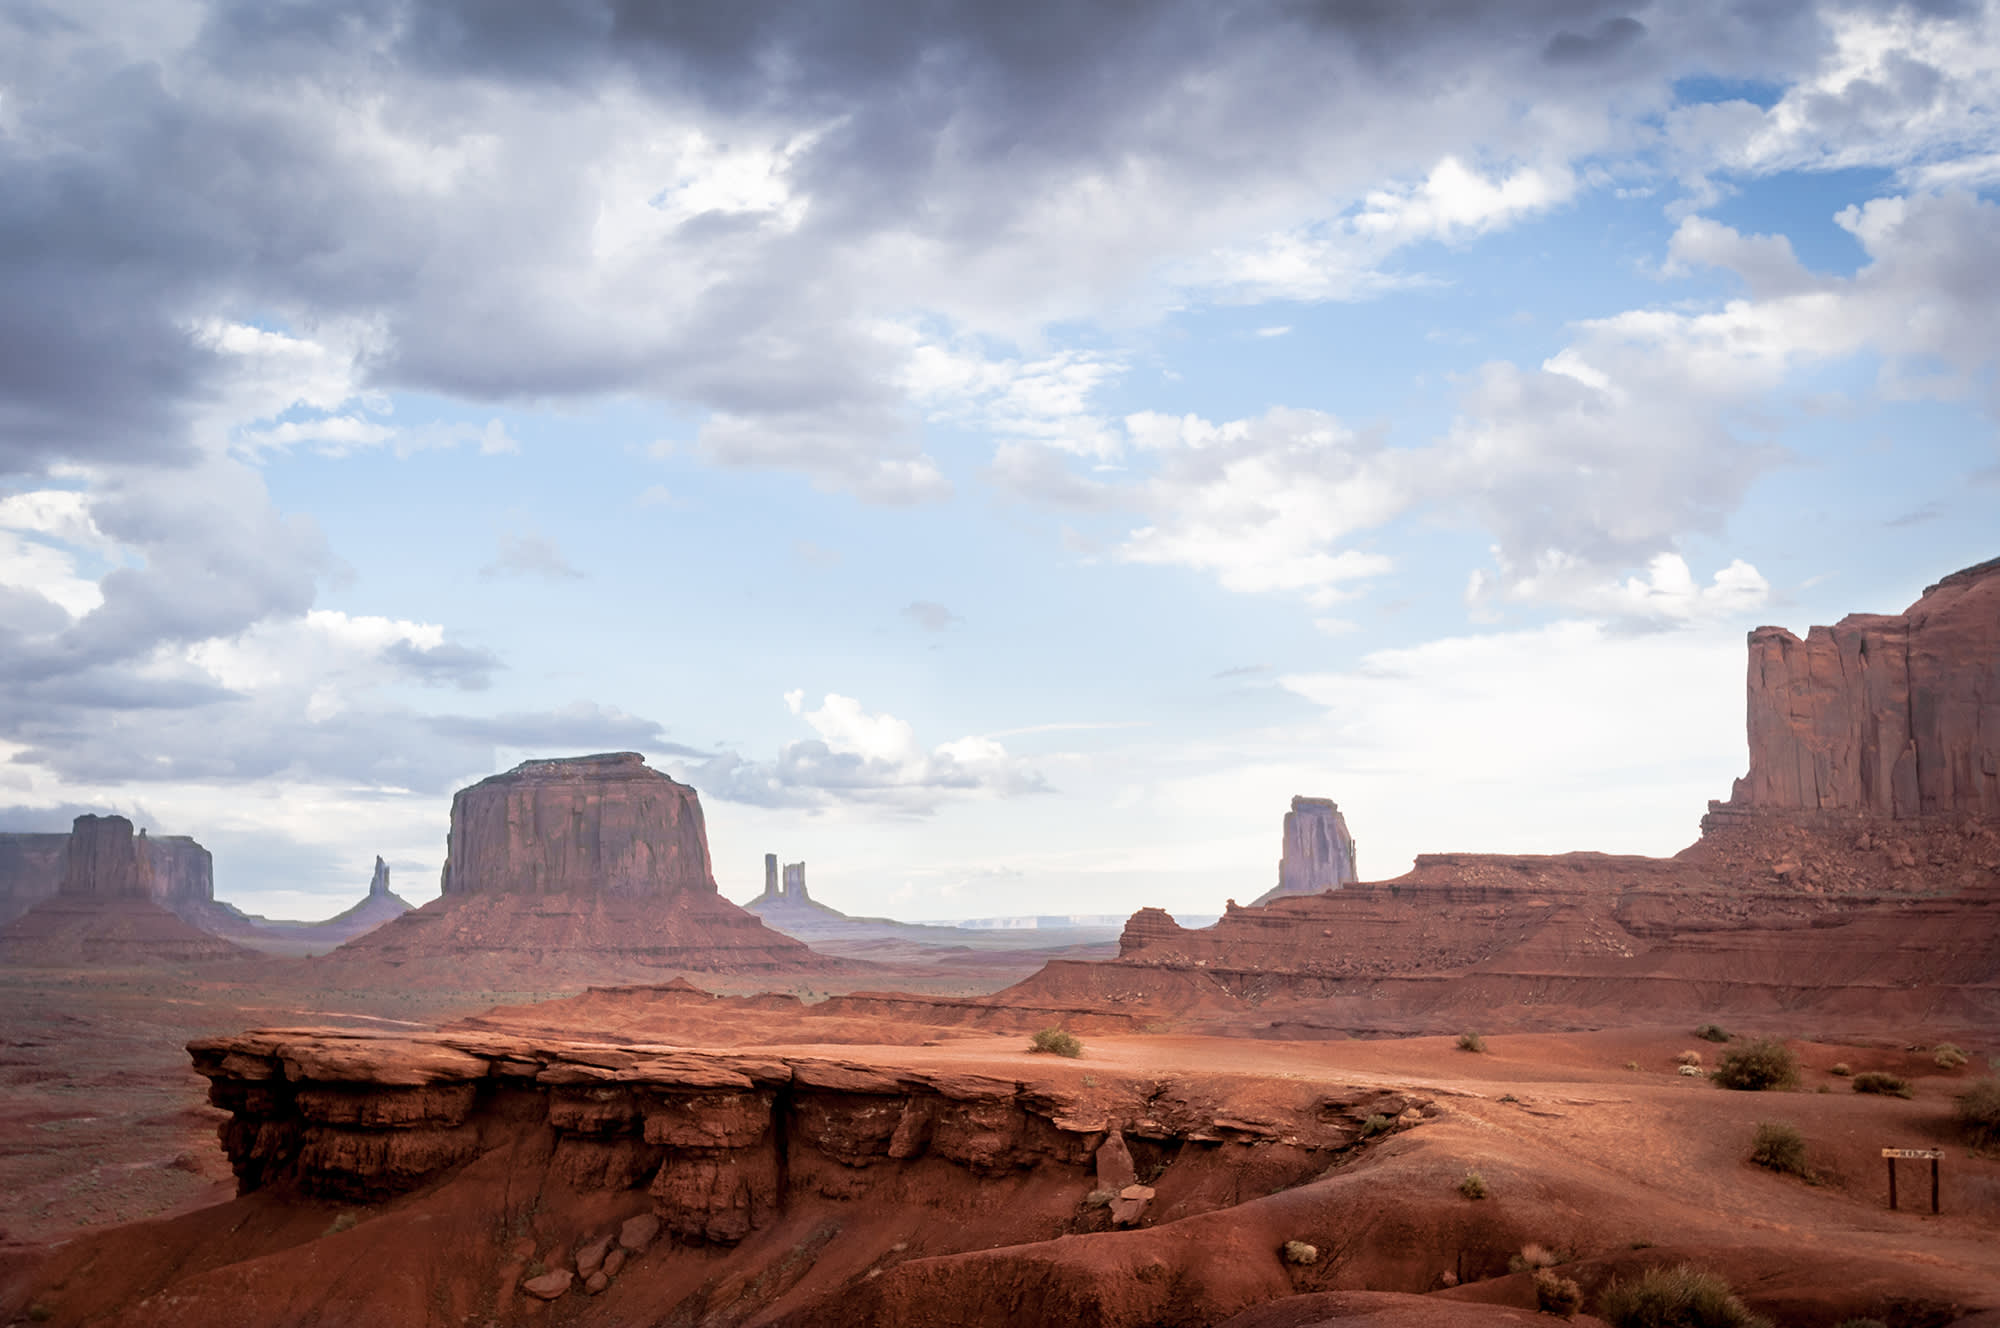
[1631,1065]
[1099,1198]
[1471,1042]
[1300,1253]
[342,1222]
[1472,1185]
[1057,1042]
[1841,1068]
[1679,1297]
[1978,1112]
[1688,1058]
[1375,1125]
[1780,1147]
[1533,1255]
[39,1312]
[1948,1057]
[1712,1033]
[1555,1294]
[1756,1066]
[536,1269]
[1509,1097]
[1888,1085]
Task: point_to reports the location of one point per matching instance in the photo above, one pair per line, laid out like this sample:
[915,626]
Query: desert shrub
[40,1313]
[1888,1085]
[1679,1297]
[342,1222]
[1300,1253]
[1533,1255]
[1631,1065]
[1099,1198]
[1472,1185]
[1712,1033]
[1756,1066]
[1375,1125]
[1780,1147]
[1978,1112]
[1555,1294]
[1471,1042]
[1057,1042]
[1688,1058]
[1948,1057]
[1841,1068]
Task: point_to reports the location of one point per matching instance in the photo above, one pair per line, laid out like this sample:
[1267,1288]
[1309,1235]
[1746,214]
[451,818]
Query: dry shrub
[1978,1112]
[1679,1297]
[1948,1057]
[1688,1058]
[1712,1033]
[1555,1294]
[1888,1085]
[1472,1185]
[1780,1147]
[1375,1125]
[1533,1255]
[1841,1068]
[1300,1253]
[1057,1042]
[1471,1042]
[1756,1066]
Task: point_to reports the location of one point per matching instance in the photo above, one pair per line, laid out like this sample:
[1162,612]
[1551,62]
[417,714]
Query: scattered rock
[549,1286]
[1130,1204]
[595,1284]
[613,1262]
[591,1257]
[1114,1162]
[638,1232]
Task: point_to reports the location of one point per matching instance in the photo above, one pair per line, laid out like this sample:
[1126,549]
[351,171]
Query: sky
[998,454]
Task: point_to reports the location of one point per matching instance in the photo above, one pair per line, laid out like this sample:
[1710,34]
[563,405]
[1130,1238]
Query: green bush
[1888,1085]
[1471,1042]
[1840,1068]
[1978,1112]
[1712,1033]
[1472,1185]
[1556,1294]
[1678,1297]
[1057,1042]
[1948,1057]
[1756,1066]
[1375,1125]
[1780,1147]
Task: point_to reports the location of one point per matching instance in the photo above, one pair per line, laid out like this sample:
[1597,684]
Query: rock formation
[587,867]
[602,825]
[795,883]
[1894,716]
[108,907]
[31,869]
[1318,853]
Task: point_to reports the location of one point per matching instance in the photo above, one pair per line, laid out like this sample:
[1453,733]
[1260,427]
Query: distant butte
[584,866]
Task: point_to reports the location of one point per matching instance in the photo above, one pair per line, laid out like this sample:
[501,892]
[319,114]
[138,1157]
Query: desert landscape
[582,1087]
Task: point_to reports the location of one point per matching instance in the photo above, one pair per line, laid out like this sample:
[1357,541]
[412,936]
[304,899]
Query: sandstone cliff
[1318,853]
[1886,715]
[107,908]
[584,825]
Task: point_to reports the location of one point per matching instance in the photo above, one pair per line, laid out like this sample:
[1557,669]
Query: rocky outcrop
[1894,716]
[719,1141]
[592,868]
[105,860]
[183,871]
[1318,852]
[604,825]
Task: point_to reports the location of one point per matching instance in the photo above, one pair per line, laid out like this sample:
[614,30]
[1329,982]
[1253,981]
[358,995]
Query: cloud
[468,668]
[932,617]
[578,728]
[866,760]
[529,555]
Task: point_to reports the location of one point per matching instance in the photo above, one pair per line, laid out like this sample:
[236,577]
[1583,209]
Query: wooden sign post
[1916,1154]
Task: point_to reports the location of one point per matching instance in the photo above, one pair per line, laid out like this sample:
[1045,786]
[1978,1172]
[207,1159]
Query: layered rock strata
[720,1141]
[1894,716]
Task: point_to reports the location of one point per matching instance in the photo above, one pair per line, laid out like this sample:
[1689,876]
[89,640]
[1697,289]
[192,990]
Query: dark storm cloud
[297,161]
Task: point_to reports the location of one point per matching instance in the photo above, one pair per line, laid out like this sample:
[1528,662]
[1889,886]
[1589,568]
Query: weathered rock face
[1886,715]
[378,884]
[105,860]
[31,869]
[585,825]
[795,882]
[183,871]
[1319,853]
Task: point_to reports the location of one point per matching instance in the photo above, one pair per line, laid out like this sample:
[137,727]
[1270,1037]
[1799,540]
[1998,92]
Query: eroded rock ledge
[718,1139]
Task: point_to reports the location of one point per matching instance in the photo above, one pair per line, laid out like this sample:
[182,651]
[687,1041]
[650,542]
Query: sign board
[1922,1154]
